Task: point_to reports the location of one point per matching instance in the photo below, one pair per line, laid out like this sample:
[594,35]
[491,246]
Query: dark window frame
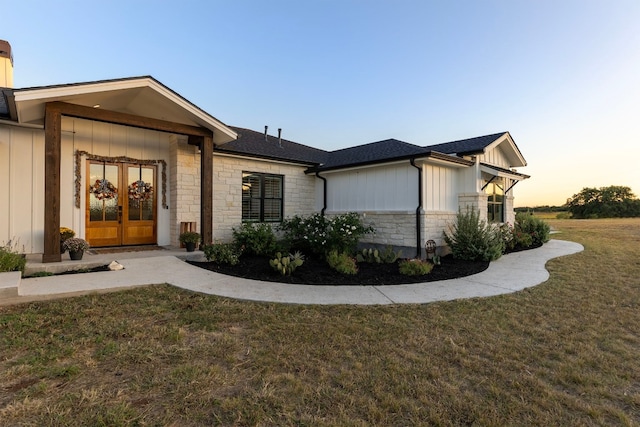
[263,198]
[495,201]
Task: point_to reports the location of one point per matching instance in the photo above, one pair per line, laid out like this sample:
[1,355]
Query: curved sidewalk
[511,273]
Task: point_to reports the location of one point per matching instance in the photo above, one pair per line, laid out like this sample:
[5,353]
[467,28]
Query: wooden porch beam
[52,150]
[108,116]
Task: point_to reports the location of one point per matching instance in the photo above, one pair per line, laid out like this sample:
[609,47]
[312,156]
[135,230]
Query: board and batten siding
[385,188]
[495,157]
[22,175]
[22,188]
[440,188]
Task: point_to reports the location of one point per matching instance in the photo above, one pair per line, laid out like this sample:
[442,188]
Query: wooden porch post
[206,169]
[206,185]
[52,153]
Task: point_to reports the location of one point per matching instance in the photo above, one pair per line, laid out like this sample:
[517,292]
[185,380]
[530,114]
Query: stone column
[184,184]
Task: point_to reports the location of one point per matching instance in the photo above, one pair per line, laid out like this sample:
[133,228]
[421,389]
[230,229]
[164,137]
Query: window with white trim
[495,202]
[262,197]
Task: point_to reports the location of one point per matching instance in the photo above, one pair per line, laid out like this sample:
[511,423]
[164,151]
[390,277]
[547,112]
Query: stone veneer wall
[184,185]
[299,191]
[392,228]
[477,201]
[398,229]
[509,213]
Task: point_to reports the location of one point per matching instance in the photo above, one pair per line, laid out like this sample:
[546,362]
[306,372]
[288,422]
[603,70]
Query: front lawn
[562,353]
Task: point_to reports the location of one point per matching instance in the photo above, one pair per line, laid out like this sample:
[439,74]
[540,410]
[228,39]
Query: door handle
[119,214]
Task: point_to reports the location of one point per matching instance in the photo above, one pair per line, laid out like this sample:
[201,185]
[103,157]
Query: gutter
[418,232]
[324,193]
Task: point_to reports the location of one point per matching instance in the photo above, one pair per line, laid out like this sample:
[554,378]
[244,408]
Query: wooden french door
[121,204]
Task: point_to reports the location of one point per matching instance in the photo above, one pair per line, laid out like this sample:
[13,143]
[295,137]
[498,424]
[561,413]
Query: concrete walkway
[511,273]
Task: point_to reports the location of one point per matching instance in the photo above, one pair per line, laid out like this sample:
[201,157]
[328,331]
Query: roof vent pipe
[265,133]
[280,137]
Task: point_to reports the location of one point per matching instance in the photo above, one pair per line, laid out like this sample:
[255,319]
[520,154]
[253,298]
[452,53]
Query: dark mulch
[317,272]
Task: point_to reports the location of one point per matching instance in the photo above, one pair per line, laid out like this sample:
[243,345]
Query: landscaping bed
[316,271]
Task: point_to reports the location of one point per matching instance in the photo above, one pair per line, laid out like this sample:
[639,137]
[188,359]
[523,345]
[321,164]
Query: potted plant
[65,233]
[76,247]
[190,239]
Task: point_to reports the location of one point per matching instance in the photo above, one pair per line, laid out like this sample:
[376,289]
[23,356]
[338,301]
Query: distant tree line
[605,202]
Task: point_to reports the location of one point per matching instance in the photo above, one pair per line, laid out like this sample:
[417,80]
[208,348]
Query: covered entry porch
[138,103]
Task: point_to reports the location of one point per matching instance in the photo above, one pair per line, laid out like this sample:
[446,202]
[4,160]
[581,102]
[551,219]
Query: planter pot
[191,246]
[62,249]
[76,255]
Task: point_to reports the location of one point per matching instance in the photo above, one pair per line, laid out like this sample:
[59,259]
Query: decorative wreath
[140,190]
[104,190]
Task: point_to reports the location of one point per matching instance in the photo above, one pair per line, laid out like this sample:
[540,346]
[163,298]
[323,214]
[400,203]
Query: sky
[563,77]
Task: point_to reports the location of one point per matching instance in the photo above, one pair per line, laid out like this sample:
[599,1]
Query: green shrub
[255,238]
[342,262]
[472,239]
[321,235]
[222,253]
[189,237]
[534,226]
[563,215]
[506,232]
[286,265]
[11,260]
[415,267]
[521,239]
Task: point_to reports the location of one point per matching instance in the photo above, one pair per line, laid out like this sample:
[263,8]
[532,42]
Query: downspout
[418,231]
[324,192]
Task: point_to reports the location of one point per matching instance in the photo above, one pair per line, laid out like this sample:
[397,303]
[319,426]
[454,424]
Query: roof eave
[218,150]
[433,155]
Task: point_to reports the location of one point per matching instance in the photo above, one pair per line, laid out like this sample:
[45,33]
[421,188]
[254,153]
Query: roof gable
[141,96]
[466,146]
[482,145]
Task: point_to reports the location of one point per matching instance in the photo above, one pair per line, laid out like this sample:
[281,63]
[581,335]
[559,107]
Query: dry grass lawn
[566,352]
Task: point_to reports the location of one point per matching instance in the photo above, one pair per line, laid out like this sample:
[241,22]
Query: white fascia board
[78,89]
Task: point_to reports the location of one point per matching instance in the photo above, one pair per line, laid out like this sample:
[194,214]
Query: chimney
[280,137]
[6,64]
[265,133]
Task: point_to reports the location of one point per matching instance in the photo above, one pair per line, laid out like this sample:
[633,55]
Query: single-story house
[130,162]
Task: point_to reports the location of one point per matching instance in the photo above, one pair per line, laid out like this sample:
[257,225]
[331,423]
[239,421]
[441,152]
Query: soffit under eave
[140,97]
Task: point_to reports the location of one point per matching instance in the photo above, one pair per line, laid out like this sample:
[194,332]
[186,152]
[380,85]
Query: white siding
[441,189]
[21,179]
[495,157]
[384,188]
[22,175]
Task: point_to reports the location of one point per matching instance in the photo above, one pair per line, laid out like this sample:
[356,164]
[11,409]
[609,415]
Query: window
[495,191]
[262,199]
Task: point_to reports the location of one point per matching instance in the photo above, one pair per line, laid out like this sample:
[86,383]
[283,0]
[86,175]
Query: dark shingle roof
[4,105]
[466,146]
[253,143]
[372,153]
